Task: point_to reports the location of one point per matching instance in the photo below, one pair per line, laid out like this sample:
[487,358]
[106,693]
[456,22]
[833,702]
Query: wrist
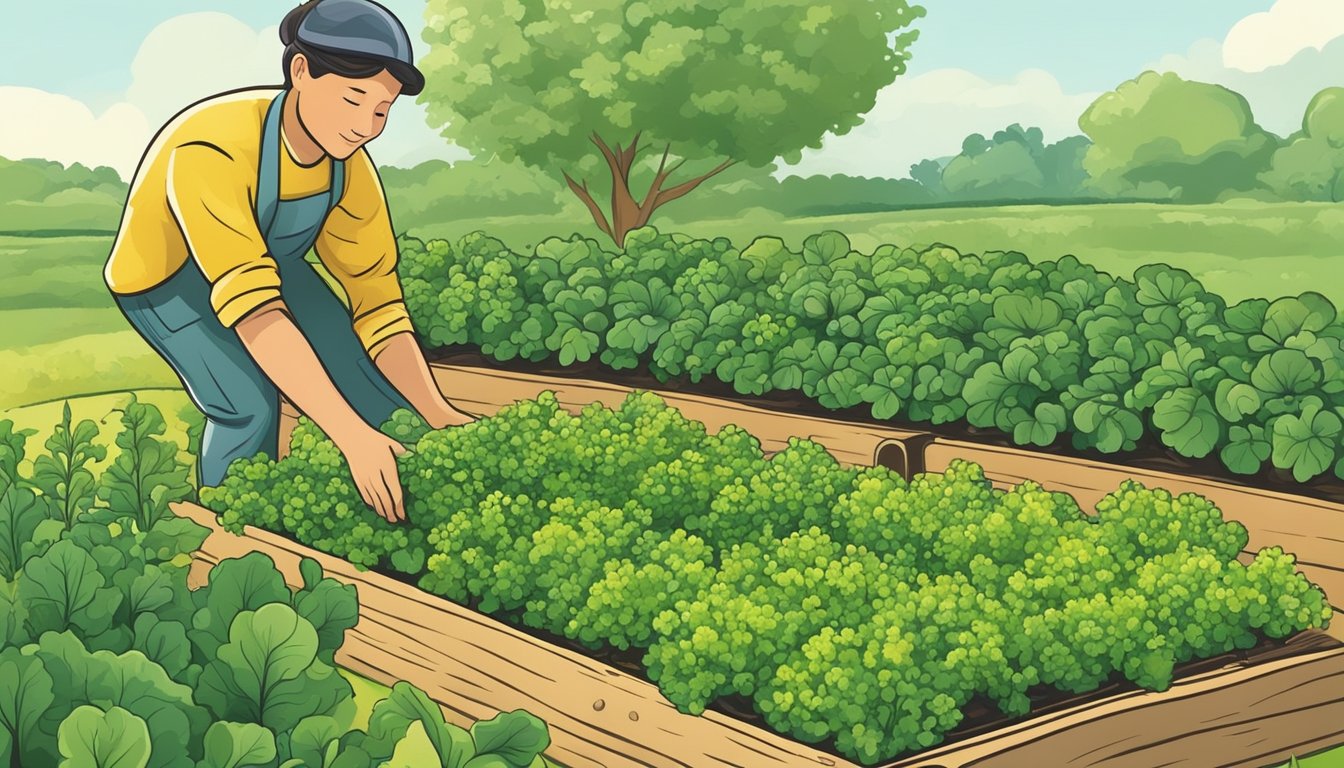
[442,414]
[350,433]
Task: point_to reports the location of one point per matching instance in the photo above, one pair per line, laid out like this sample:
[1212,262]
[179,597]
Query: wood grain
[1235,717]
[476,666]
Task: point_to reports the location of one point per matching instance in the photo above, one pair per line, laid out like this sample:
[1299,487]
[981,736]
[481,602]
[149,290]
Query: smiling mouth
[352,141]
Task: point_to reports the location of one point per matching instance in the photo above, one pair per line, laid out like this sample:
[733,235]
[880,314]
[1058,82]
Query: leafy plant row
[1043,352]
[847,603]
[107,660]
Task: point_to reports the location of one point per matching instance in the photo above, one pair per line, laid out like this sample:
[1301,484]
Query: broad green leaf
[1307,444]
[236,584]
[415,750]
[1247,449]
[92,738]
[267,646]
[517,737]
[62,589]
[407,704]
[1286,372]
[1236,400]
[234,745]
[1292,315]
[311,737]
[1188,421]
[20,514]
[132,682]
[27,691]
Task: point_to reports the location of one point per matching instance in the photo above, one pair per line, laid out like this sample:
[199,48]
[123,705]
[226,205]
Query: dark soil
[980,714]
[1150,453]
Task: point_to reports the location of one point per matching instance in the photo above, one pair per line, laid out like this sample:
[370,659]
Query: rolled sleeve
[359,249]
[209,194]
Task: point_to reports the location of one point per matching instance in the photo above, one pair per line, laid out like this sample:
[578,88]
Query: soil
[1149,454]
[980,715]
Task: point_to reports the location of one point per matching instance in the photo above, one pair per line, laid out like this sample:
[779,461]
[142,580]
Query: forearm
[404,365]
[286,357]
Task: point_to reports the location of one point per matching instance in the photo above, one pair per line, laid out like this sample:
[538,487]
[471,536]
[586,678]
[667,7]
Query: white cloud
[190,57]
[1278,94]
[182,60]
[56,127]
[1272,38]
[929,115]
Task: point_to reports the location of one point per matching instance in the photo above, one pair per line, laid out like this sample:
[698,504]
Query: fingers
[392,492]
[382,505]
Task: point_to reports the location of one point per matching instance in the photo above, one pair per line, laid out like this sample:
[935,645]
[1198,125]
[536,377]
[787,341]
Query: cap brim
[412,81]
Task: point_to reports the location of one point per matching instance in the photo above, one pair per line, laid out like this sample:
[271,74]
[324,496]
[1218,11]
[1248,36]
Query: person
[209,263]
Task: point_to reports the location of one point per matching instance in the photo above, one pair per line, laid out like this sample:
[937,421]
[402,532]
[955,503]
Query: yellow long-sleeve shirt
[194,194]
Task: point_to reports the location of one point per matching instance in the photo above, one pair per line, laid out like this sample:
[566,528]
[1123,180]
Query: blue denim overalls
[240,403]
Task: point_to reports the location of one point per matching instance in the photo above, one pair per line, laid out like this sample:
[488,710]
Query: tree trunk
[626,213]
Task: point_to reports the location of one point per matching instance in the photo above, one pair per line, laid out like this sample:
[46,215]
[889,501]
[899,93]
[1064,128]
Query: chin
[342,150]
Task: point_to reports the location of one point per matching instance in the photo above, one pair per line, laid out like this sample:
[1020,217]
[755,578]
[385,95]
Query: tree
[1014,164]
[1309,165]
[1001,167]
[725,81]
[1160,134]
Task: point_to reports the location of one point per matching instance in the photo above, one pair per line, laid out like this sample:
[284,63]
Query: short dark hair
[321,61]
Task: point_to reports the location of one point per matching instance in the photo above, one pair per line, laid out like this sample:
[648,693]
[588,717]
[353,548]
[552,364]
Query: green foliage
[108,659]
[1051,353]
[62,474]
[658,72]
[146,474]
[92,738]
[1161,136]
[844,603]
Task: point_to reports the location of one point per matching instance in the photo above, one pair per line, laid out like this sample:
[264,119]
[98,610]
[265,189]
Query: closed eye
[347,101]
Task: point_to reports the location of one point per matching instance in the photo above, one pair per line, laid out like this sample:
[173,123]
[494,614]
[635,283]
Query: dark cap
[363,28]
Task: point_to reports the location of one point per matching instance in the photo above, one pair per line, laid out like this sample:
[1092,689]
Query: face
[342,113]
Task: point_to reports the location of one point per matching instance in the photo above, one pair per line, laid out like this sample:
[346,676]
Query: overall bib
[240,403]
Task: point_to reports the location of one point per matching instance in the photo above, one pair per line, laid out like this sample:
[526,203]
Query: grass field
[61,336]
[1238,250]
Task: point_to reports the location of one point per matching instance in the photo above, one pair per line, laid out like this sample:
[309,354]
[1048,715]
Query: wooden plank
[1235,717]
[1310,529]
[1241,714]
[476,666]
[485,391]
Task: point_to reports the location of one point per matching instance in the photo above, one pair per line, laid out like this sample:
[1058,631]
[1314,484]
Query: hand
[372,457]
[445,415]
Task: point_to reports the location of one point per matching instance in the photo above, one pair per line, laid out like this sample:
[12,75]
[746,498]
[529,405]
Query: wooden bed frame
[1249,713]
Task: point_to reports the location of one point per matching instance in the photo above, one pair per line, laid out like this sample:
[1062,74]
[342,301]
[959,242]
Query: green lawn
[1238,250]
[61,336]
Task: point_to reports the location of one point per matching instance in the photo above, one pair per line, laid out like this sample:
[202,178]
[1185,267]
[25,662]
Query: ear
[298,68]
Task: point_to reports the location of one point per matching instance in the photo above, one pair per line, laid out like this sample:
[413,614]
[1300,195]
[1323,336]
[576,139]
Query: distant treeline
[1155,138]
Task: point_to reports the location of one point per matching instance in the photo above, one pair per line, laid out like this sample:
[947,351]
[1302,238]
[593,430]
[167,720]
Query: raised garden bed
[1221,699]
[1310,528]
[1252,708]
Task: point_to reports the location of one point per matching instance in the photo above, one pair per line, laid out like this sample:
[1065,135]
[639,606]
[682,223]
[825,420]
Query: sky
[93,85]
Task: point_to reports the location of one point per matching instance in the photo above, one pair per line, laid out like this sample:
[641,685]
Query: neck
[302,145]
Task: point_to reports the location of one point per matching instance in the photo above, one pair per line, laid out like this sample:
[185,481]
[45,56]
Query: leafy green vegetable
[805,586]
[234,745]
[92,738]
[62,474]
[146,475]
[925,336]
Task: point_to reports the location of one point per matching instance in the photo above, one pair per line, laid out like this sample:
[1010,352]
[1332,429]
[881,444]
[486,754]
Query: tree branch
[668,195]
[620,175]
[582,192]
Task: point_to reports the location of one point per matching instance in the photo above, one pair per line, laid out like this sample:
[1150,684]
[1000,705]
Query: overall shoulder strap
[268,168]
[337,189]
